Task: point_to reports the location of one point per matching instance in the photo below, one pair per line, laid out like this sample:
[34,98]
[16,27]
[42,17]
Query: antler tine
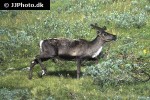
[95,26]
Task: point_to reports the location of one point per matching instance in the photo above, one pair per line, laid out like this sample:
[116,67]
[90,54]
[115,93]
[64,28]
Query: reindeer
[78,50]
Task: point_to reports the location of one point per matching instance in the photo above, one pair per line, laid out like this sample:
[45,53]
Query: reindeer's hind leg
[48,52]
[44,56]
[33,63]
[41,58]
[38,60]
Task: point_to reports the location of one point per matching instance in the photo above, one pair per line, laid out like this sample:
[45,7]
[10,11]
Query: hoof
[29,77]
[40,74]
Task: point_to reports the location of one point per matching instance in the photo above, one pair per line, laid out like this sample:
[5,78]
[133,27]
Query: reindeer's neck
[97,42]
[96,47]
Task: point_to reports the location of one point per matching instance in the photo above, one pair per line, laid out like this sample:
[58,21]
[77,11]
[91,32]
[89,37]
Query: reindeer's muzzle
[114,37]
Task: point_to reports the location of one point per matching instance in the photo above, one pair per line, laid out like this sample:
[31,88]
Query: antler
[95,26]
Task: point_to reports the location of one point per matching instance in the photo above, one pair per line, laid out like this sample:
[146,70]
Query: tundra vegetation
[122,71]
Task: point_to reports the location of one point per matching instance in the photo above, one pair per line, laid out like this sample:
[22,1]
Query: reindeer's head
[103,34]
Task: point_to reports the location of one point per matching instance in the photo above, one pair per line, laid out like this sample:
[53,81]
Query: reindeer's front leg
[78,68]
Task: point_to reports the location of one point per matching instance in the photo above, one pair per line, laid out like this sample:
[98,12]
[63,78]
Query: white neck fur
[97,52]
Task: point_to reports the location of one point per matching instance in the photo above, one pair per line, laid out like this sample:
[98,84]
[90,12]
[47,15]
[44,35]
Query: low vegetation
[122,71]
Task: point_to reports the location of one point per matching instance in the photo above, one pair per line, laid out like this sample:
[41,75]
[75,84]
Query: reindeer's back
[72,47]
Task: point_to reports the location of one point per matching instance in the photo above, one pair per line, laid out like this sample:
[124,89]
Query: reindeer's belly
[68,55]
[70,52]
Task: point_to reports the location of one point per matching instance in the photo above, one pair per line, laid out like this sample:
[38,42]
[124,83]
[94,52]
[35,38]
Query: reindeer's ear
[98,32]
[92,26]
[96,24]
[104,28]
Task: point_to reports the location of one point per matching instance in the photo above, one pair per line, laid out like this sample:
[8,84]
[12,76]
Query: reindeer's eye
[104,34]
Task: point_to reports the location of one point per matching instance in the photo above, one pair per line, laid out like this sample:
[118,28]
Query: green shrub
[15,45]
[6,12]
[110,72]
[3,12]
[120,66]
[19,94]
[113,72]
[147,8]
[16,94]
[127,19]
[106,1]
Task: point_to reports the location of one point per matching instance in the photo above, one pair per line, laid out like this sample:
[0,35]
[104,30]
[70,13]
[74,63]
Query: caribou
[77,50]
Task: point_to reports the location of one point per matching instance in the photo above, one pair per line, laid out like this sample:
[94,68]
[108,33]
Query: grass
[70,88]
[71,19]
[58,87]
